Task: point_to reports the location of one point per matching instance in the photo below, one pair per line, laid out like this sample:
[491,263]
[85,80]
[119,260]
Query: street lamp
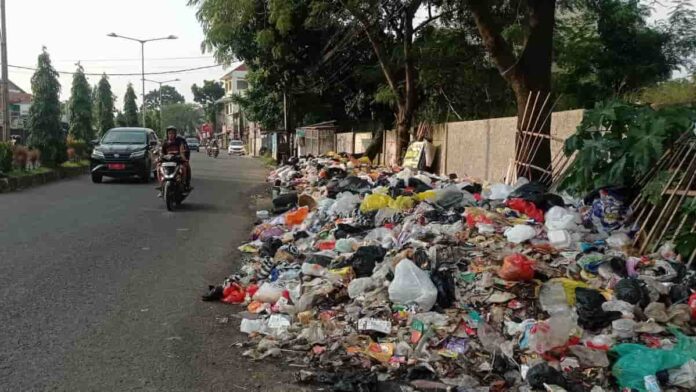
[142,58]
[160,98]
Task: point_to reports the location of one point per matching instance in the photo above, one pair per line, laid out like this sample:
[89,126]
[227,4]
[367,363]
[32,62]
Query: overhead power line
[134,59]
[124,74]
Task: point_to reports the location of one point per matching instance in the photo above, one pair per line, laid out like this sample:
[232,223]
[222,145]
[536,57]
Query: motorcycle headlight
[137,154]
[97,154]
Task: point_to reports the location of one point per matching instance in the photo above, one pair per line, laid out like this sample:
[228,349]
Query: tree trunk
[404,118]
[531,72]
[375,146]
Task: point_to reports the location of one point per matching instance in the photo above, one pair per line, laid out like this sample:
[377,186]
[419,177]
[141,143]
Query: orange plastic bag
[517,267]
[233,294]
[296,217]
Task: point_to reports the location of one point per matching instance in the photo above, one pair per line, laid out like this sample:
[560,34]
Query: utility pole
[5,77]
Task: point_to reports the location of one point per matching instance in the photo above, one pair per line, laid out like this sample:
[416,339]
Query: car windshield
[235,143]
[125,137]
[192,140]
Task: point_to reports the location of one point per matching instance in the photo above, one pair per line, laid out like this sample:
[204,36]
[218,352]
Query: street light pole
[161,105]
[5,77]
[142,59]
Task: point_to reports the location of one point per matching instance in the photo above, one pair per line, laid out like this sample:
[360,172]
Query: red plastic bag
[526,207]
[296,217]
[233,294]
[692,306]
[517,267]
[252,289]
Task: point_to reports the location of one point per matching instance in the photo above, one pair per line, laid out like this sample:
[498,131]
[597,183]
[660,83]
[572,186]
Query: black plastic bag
[446,292]
[679,294]
[588,303]
[270,247]
[322,260]
[473,188]
[284,202]
[551,200]
[542,374]
[353,184]
[336,172]
[532,192]
[421,259]
[365,258]
[632,291]
[618,265]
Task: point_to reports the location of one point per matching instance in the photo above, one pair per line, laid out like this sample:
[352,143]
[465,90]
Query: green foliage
[5,157]
[653,189]
[130,108]
[169,96]
[121,119]
[80,107]
[208,95]
[685,244]
[186,117]
[44,115]
[617,143]
[606,48]
[105,105]
[152,121]
[673,92]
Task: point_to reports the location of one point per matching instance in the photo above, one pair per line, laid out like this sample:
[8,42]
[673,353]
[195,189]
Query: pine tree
[130,108]
[46,133]
[80,107]
[105,105]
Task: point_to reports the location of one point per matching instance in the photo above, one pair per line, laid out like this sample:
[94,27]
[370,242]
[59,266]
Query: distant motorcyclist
[176,145]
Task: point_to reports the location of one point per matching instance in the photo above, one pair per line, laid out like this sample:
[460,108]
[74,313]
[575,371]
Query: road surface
[100,286]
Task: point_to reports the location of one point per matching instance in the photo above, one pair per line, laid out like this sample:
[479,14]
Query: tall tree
[46,133]
[186,117]
[169,96]
[105,105]
[80,107]
[208,95]
[130,107]
[121,119]
[526,71]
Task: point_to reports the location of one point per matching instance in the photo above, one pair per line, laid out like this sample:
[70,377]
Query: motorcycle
[173,182]
[213,151]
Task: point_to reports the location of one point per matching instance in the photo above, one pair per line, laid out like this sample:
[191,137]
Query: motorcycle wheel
[169,196]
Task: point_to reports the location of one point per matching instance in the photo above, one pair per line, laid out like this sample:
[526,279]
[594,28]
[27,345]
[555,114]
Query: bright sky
[75,30]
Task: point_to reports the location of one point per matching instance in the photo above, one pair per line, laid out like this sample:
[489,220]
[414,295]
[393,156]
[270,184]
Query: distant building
[20,102]
[235,124]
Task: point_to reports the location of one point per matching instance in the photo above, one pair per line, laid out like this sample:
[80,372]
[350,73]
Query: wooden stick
[521,123]
[524,141]
[669,200]
[539,141]
[641,199]
[679,203]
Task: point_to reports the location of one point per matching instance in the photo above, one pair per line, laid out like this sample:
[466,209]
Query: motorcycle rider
[176,145]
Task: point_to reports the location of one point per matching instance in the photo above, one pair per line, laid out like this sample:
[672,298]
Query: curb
[12,184]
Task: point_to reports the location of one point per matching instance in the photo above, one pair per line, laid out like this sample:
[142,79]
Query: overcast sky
[75,30]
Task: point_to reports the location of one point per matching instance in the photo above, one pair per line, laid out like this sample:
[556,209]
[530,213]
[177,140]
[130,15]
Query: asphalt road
[100,286]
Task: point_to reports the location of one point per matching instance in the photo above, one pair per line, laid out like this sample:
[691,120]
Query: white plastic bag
[685,376]
[412,285]
[268,293]
[520,233]
[500,191]
[359,286]
[551,333]
[345,204]
[249,326]
[559,218]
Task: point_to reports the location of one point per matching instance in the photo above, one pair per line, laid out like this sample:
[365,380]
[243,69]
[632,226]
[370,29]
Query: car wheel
[96,178]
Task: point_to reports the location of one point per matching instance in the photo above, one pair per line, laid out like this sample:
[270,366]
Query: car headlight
[97,154]
[137,154]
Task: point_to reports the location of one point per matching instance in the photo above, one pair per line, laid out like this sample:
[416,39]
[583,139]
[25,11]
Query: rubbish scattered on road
[386,279]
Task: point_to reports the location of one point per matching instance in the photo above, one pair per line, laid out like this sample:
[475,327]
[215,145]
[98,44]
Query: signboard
[413,154]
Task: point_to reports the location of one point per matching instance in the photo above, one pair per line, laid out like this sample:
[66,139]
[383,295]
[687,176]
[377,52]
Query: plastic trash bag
[383,236]
[559,218]
[543,374]
[353,184]
[384,215]
[402,203]
[365,258]
[412,285]
[532,192]
[618,240]
[427,195]
[517,267]
[345,205]
[637,361]
[233,294]
[374,202]
[269,293]
[296,217]
[345,245]
[526,207]
[685,376]
[632,291]
[359,286]
[609,209]
[500,191]
[589,308]
[446,288]
[520,233]
[551,333]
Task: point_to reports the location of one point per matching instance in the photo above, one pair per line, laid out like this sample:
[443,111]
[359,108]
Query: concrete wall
[483,149]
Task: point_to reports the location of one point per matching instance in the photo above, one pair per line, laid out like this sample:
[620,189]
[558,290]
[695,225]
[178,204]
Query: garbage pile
[378,279]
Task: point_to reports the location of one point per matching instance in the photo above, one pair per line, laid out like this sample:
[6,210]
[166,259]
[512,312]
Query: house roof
[17,95]
[240,68]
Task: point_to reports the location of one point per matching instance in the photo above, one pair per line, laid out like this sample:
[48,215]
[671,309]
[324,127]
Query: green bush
[5,157]
[80,146]
[617,143]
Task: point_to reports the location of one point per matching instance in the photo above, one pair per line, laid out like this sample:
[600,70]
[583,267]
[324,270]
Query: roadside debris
[381,279]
